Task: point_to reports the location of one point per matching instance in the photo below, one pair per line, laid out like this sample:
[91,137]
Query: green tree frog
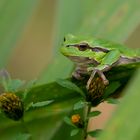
[92,55]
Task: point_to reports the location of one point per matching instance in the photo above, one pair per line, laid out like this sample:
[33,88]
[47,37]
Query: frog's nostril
[72,45]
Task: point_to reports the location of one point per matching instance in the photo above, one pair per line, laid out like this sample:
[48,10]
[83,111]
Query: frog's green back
[95,42]
[111,45]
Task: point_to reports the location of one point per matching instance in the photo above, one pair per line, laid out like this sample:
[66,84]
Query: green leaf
[11,85]
[38,104]
[14,16]
[95,133]
[27,87]
[112,101]
[30,84]
[80,104]
[42,104]
[64,132]
[68,121]
[94,114]
[71,86]
[74,132]
[125,121]
[23,136]
[14,85]
[113,86]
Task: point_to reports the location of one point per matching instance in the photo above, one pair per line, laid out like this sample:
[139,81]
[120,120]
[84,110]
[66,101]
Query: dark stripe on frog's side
[98,49]
[125,60]
[85,46]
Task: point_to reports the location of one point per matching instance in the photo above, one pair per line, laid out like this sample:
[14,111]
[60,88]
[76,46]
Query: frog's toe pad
[106,82]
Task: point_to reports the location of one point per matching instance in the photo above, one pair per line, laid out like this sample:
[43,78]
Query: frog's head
[76,46]
[79,47]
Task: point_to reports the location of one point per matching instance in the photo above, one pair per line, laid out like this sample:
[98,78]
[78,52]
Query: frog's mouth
[83,60]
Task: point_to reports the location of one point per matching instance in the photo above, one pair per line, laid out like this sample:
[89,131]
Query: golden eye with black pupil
[82,47]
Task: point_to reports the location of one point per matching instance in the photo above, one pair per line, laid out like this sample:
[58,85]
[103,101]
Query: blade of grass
[113,20]
[125,122]
[69,15]
[13,17]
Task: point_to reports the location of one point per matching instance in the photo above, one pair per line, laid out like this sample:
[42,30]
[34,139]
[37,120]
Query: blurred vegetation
[31,34]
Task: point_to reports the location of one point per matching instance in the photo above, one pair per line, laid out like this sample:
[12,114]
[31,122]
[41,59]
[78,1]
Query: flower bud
[76,120]
[12,106]
[96,91]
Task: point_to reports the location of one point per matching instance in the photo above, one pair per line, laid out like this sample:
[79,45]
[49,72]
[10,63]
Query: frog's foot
[101,75]
[77,75]
[79,72]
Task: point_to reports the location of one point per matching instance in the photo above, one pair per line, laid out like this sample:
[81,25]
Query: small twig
[87,119]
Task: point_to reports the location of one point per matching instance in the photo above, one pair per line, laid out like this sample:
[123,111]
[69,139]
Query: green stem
[25,129]
[24,126]
[87,119]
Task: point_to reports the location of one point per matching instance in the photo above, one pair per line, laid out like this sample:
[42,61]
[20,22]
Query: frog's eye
[64,39]
[82,47]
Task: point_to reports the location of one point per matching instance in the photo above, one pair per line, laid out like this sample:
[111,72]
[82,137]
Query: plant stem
[24,126]
[25,129]
[87,119]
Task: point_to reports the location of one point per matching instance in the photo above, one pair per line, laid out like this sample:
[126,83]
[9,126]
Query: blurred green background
[33,50]
[31,32]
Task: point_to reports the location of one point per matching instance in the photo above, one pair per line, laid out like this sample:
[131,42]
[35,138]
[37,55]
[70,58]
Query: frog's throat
[83,60]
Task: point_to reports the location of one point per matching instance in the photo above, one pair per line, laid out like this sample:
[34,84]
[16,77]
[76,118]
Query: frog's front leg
[101,75]
[79,71]
[105,65]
